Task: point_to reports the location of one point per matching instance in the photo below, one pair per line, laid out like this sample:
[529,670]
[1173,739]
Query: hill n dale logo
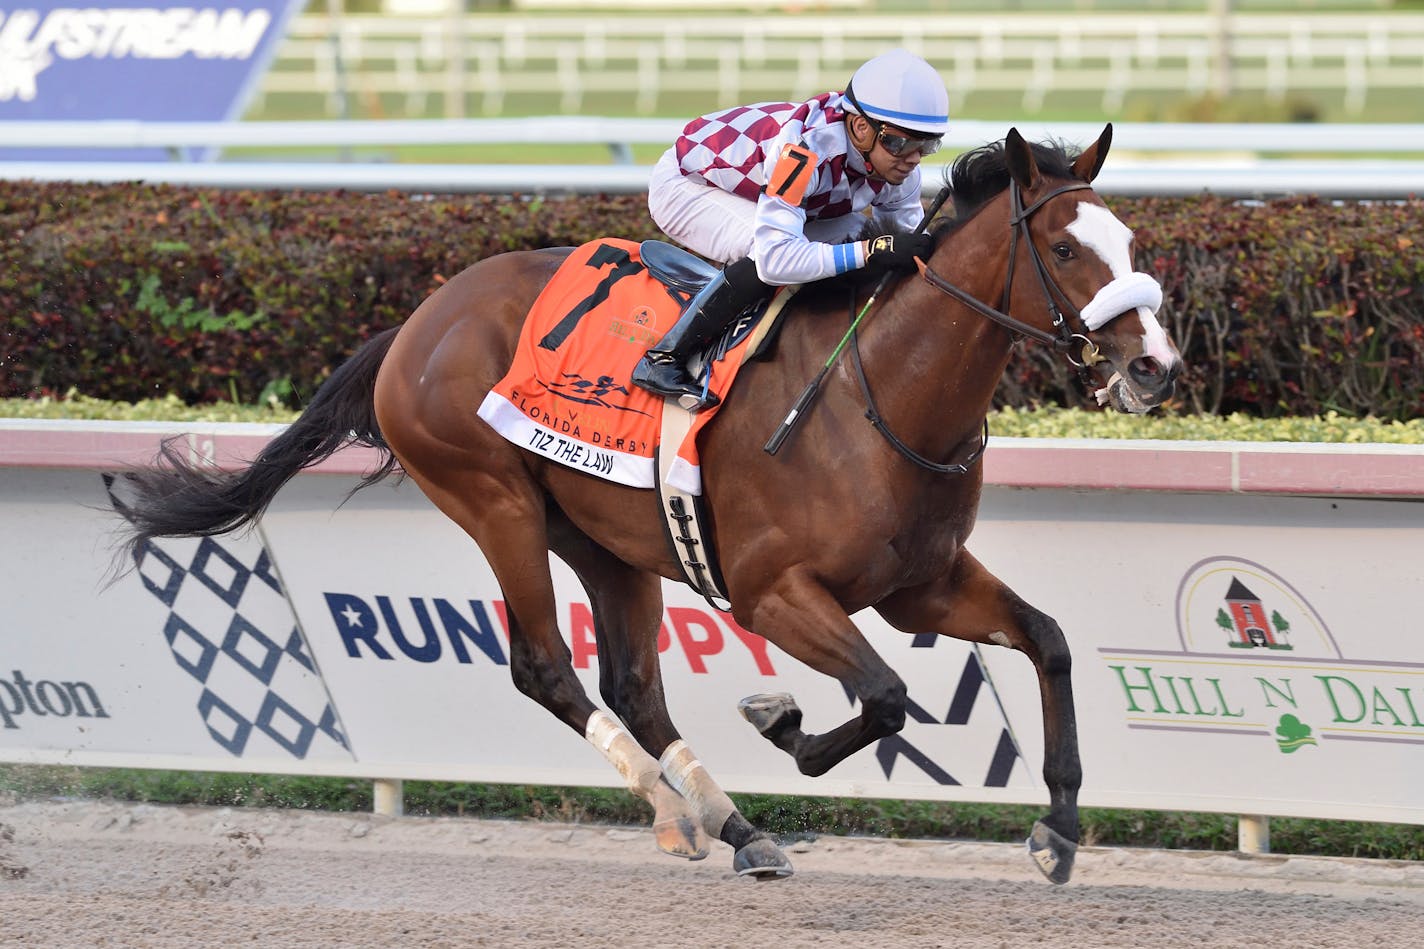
[1252,657]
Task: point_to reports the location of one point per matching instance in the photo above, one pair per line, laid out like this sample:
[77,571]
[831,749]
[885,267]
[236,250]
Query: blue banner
[124,61]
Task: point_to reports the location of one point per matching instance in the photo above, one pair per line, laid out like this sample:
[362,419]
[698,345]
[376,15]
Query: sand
[84,874]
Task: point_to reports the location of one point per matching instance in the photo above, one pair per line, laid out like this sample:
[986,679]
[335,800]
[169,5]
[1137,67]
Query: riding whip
[773,444]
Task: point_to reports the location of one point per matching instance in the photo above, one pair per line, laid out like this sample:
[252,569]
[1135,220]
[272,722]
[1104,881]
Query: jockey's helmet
[899,88]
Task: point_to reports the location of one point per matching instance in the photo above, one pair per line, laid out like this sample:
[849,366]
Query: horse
[845,516]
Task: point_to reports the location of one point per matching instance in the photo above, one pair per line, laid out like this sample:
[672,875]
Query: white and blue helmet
[899,88]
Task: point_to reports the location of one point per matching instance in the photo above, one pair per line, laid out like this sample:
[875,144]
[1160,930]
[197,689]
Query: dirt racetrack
[81,874]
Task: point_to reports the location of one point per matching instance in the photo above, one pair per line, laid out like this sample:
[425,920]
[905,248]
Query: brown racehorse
[846,516]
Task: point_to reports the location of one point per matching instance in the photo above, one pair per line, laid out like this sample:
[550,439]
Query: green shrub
[132,292]
[1289,307]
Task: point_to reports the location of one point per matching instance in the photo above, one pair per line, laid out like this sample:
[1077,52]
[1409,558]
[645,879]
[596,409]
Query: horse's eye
[1063,252]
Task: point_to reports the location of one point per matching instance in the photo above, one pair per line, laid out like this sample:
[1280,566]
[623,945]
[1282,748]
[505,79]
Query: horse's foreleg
[802,618]
[972,604]
[688,804]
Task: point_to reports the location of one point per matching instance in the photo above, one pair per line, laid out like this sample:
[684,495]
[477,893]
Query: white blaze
[1097,229]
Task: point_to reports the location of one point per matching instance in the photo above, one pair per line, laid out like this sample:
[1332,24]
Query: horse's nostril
[1145,370]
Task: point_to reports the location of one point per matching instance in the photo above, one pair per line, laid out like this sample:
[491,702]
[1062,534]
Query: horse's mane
[974,178]
[979,175]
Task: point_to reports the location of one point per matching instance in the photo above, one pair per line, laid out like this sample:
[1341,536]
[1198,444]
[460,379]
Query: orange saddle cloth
[568,396]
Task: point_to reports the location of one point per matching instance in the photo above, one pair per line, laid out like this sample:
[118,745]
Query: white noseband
[1124,293]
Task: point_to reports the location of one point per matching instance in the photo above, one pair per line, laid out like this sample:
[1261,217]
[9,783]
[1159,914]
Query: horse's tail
[177,498]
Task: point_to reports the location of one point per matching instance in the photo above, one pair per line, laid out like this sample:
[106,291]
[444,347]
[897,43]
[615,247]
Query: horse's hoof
[681,837]
[1051,852]
[762,859]
[770,710]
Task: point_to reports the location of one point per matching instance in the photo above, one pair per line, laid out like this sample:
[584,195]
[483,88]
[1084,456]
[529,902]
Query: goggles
[901,145]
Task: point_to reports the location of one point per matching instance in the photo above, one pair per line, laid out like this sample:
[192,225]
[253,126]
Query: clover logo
[1294,734]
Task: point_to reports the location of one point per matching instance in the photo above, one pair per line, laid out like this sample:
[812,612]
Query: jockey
[776,191]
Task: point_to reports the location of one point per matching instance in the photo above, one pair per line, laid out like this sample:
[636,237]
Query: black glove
[898,251]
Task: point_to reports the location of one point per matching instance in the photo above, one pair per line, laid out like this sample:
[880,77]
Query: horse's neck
[933,363]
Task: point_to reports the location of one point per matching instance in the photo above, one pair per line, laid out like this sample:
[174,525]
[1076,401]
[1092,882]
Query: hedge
[1288,307]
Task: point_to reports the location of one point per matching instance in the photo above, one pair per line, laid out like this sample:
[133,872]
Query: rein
[878,422]
[1064,340]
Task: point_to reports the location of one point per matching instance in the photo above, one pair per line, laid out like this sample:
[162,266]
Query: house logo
[1243,616]
[1292,734]
[1243,607]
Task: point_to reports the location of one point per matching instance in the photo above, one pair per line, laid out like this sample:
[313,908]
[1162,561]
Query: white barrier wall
[1243,619]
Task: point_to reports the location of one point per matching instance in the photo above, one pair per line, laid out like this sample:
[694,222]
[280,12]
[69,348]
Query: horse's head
[1069,280]
[1080,248]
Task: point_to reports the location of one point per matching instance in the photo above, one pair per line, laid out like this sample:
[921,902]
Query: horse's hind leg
[972,604]
[623,599]
[627,609]
[508,522]
[504,515]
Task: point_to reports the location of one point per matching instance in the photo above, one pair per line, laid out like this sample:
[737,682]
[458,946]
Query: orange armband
[791,175]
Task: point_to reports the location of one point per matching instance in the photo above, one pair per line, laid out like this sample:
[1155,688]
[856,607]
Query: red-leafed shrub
[1287,307]
[129,292]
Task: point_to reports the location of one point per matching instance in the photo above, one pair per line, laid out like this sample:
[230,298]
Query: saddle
[567,396]
[685,514]
[685,272]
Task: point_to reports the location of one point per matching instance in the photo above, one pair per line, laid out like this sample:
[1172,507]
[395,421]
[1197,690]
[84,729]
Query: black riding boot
[663,369]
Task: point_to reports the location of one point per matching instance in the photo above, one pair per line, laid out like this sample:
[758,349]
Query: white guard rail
[1228,162]
[1147,138]
[1238,615]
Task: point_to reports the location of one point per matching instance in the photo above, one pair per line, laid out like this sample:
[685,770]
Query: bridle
[1064,339]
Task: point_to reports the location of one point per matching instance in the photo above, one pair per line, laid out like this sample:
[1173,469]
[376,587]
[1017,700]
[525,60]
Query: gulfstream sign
[33,41]
[194,63]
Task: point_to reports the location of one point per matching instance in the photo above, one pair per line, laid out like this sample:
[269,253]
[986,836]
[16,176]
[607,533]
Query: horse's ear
[1021,162]
[1091,161]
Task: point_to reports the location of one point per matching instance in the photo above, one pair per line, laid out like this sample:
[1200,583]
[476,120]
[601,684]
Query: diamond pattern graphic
[191,649]
[285,725]
[225,724]
[161,574]
[230,627]
[250,649]
[297,649]
[220,572]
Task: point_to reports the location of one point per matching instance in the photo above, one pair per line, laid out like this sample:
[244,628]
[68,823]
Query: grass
[1046,422]
[786,817]
[983,100]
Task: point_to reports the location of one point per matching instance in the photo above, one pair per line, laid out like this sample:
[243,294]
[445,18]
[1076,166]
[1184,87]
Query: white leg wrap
[637,766]
[692,781]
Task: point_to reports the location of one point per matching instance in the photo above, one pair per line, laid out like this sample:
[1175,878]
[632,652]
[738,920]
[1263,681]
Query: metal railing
[452,66]
[1148,158]
[619,134]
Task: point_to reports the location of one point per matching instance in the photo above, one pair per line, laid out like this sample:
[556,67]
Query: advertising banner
[192,662]
[61,61]
[1242,654]
[1231,653]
